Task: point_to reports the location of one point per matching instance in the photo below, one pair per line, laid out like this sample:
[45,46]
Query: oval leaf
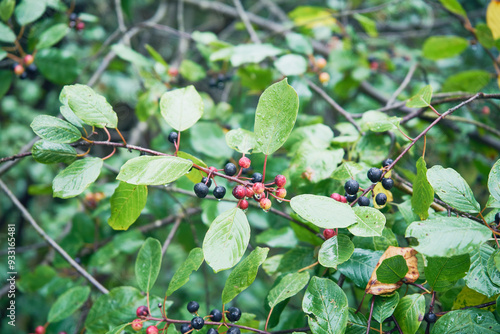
[46,152]
[370,222]
[384,306]
[335,251]
[392,269]
[58,66]
[421,99]
[55,129]
[6,34]
[477,278]
[148,264]
[127,203]
[153,170]
[52,36]
[291,65]
[77,177]
[181,276]
[68,303]
[181,108]
[423,194]
[288,286]
[443,272]
[494,181]
[29,11]
[410,312]
[226,240]
[360,266]
[241,140]
[473,320]
[439,47]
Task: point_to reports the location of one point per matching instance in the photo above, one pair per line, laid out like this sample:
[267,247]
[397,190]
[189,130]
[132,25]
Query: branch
[246,21]
[177,223]
[51,241]
[403,85]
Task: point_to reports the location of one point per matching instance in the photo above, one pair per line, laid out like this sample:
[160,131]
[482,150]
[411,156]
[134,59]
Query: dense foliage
[250,166]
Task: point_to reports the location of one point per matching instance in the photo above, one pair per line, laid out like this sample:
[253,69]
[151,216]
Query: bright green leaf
[52,36]
[477,278]
[421,99]
[454,6]
[423,194]
[288,286]
[369,222]
[241,140]
[55,130]
[192,71]
[368,24]
[471,321]
[181,276]
[153,170]
[410,312]
[291,64]
[335,251]
[467,81]
[148,264]
[484,35]
[443,272]
[77,177]
[127,202]
[46,152]
[6,9]
[68,303]
[299,43]
[28,11]
[440,47]
[181,108]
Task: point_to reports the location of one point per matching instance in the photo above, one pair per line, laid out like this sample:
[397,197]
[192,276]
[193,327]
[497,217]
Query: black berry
[142,311]
[201,190]
[387,183]
[172,137]
[351,187]
[197,322]
[23,76]
[208,182]
[351,198]
[374,174]
[219,192]
[230,169]
[256,177]
[387,162]
[212,82]
[73,16]
[31,70]
[216,315]
[381,199]
[193,307]
[233,330]
[185,328]
[497,218]
[430,317]
[233,314]
[364,201]
[212,331]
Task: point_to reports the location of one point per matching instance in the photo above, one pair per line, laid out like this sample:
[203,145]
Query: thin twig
[403,85]
[246,21]
[171,235]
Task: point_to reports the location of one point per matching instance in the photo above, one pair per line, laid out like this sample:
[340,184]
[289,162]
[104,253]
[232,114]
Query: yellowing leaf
[493,18]
[312,17]
[380,189]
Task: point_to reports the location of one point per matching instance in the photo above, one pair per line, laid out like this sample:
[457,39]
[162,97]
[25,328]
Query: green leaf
[291,64]
[326,306]
[52,36]
[299,43]
[118,329]
[89,106]
[384,306]
[251,53]
[368,24]
[46,152]
[70,116]
[6,9]
[77,177]
[360,266]
[494,181]
[471,321]
[454,6]
[377,121]
[410,312]
[127,203]
[452,189]
[421,99]
[148,264]
[194,175]
[243,274]
[6,34]
[5,82]
[356,323]
[448,236]
[492,267]
[241,140]
[212,143]
[181,276]
[181,108]
[440,47]
[226,240]
[323,211]
[275,116]
[156,55]
[484,35]
[192,71]
[370,222]
[28,11]
[287,286]
[68,303]
[126,53]
[3,55]
[443,272]
[392,269]
[283,237]
[335,251]
[467,81]
[55,129]
[477,278]
[153,170]
[348,169]
[423,194]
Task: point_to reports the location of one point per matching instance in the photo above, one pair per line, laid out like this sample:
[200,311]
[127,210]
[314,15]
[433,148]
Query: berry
[212,331]
[137,324]
[497,218]
[73,16]
[212,82]
[172,137]
[364,201]
[244,162]
[152,330]
[216,314]
[206,181]
[430,317]
[233,330]
[239,192]
[212,169]
[257,198]
[351,187]
[258,188]
[18,69]
[230,169]
[173,71]
[280,181]
[256,177]
[343,199]
[265,203]
[281,192]
[324,77]
[201,190]
[321,63]
[381,199]
[219,192]
[197,322]
[387,183]
[23,76]
[233,314]
[142,311]
[40,330]
[80,26]
[387,162]
[193,307]
[374,174]
[28,60]
[249,192]
[246,171]
[351,198]
[243,204]
[328,233]
[185,328]
[486,110]
[31,71]
[337,197]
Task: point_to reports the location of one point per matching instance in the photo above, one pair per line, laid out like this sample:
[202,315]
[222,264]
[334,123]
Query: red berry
[244,162]
[212,169]
[243,204]
[239,192]
[343,199]
[40,330]
[142,311]
[265,203]
[281,192]
[329,233]
[80,26]
[152,330]
[19,69]
[258,188]
[249,192]
[280,181]
[137,324]
[337,197]
[28,60]
[486,110]
[173,71]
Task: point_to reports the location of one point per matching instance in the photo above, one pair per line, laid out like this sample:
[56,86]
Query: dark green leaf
[335,251]
[392,269]
[477,278]
[55,130]
[5,81]
[153,170]
[212,143]
[181,276]
[360,266]
[471,321]
[410,312]
[58,66]
[181,108]
[28,11]
[77,177]
[423,194]
[192,71]
[127,203]
[443,272]
[148,264]
[439,47]
[494,181]
[384,306]
[52,36]
[68,303]
[288,286]
[47,152]
[6,9]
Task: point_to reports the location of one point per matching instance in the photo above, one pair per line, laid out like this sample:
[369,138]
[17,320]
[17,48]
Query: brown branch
[246,21]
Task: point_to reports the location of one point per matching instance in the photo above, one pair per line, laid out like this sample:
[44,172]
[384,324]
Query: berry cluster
[75,22]
[219,81]
[27,69]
